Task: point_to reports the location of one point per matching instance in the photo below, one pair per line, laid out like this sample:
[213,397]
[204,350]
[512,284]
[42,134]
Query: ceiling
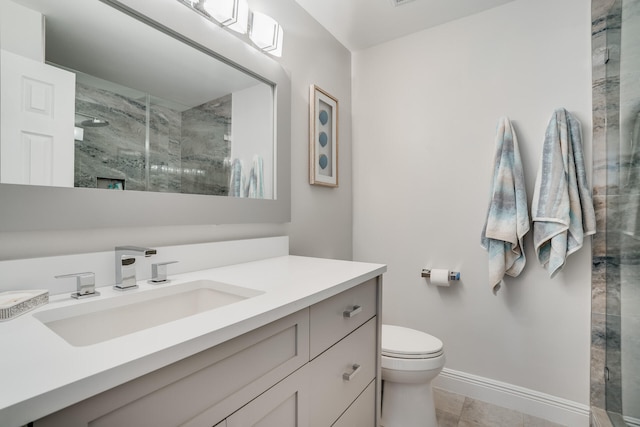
[80,36]
[360,24]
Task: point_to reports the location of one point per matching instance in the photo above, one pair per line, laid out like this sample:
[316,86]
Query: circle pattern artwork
[323,161]
[323,139]
[324,117]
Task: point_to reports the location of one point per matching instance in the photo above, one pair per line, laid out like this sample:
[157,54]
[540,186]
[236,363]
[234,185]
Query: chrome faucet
[125,265]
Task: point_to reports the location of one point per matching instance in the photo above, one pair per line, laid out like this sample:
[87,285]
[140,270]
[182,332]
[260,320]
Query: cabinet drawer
[341,373]
[336,317]
[362,413]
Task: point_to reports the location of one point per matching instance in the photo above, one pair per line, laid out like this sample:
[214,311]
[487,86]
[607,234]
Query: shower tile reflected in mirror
[150,144]
[115,151]
[165,162]
[206,147]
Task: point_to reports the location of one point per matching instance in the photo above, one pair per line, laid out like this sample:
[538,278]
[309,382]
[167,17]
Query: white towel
[255,185]
[562,208]
[507,217]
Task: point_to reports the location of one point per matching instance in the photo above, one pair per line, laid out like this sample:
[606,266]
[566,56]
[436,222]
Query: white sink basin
[101,320]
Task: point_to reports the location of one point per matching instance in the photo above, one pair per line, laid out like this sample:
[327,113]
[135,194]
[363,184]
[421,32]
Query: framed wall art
[323,138]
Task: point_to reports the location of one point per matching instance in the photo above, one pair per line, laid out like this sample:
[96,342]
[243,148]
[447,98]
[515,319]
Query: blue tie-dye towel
[562,208]
[507,217]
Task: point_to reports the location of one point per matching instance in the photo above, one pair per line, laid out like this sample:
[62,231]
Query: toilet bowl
[410,361]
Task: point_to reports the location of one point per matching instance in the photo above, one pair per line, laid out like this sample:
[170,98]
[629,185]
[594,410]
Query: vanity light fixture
[233,14]
[263,31]
[266,33]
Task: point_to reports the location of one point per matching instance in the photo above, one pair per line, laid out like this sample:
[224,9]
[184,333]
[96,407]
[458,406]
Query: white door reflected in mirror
[36,143]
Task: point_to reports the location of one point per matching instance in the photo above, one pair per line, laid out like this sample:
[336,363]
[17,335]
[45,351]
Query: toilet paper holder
[453,275]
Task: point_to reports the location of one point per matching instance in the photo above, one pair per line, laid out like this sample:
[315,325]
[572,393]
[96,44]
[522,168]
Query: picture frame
[323,138]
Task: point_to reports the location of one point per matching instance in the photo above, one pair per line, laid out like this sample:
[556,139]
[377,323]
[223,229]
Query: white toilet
[410,360]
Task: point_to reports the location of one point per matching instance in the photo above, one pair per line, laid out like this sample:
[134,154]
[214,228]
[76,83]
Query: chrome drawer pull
[349,376]
[350,313]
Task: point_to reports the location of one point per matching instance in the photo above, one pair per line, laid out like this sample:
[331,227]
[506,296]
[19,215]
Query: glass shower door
[623,226]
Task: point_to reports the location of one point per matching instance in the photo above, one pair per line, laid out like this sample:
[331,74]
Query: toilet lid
[409,343]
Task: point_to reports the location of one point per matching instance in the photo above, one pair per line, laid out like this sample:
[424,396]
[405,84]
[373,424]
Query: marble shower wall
[165,156]
[206,148]
[116,151]
[615,351]
[187,150]
[605,29]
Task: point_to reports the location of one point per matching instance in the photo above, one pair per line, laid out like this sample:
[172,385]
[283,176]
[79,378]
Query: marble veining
[604,180]
[188,150]
[206,148]
[113,151]
[598,360]
[164,149]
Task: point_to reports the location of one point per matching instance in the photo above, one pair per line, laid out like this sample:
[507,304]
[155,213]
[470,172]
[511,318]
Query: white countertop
[42,373]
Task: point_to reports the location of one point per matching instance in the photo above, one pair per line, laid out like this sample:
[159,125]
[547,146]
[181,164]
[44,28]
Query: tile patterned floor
[454,410]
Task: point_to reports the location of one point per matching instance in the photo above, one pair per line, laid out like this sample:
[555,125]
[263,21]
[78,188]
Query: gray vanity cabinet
[318,367]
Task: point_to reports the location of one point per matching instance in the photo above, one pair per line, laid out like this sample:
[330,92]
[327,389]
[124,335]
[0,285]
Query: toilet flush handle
[350,313]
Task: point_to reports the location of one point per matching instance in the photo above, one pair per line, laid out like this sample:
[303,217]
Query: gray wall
[427,107]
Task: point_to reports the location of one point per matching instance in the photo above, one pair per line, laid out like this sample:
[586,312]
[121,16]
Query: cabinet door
[284,405]
[203,389]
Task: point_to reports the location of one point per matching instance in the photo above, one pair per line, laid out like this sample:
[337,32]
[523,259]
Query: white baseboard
[552,408]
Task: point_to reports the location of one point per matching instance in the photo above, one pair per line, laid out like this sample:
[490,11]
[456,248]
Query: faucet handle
[159,272]
[86,284]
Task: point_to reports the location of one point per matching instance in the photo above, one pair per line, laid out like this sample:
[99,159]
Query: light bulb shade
[233,14]
[266,33]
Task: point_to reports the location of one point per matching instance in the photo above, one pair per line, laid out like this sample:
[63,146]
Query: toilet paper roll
[439,277]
